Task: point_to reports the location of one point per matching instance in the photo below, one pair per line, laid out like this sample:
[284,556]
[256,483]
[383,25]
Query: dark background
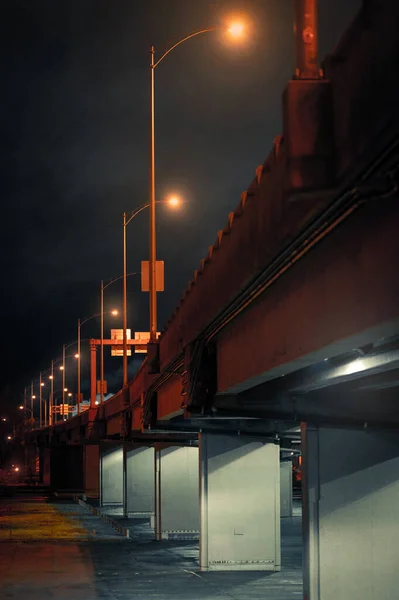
[74,123]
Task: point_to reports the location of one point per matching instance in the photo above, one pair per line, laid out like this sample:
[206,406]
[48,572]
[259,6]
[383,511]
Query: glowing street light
[114,312]
[236,30]
[173,201]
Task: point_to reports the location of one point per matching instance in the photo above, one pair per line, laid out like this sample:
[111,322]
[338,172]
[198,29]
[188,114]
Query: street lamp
[172,201]
[52,378]
[103,288]
[235,30]
[41,385]
[26,408]
[113,312]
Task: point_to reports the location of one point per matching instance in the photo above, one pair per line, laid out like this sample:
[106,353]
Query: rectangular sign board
[117,335]
[159,276]
[142,337]
[99,387]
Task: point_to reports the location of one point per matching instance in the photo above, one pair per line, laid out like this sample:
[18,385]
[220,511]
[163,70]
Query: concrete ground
[66,553]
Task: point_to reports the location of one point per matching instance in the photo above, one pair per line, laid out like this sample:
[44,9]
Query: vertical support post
[100,478]
[306,39]
[153,252]
[93,375]
[78,402]
[157,490]
[203,486]
[51,393]
[31,399]
[63,376]
[310,515]
[125,373]
[124,462]
[102,344]
[40,400]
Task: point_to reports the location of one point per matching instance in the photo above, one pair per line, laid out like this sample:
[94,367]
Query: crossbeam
[136,342]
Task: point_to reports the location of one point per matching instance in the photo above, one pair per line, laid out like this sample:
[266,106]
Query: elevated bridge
[286,335]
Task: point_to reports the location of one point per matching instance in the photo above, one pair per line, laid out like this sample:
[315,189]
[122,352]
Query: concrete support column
[91,471]
[112,477]
[67,468]
[240,503]
[350,489]
[45,468]
[140,493]
[31,462]
[176,492]
[124,480]
[286,488]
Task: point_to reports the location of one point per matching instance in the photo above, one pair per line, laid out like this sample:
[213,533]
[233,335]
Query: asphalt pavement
[61,551]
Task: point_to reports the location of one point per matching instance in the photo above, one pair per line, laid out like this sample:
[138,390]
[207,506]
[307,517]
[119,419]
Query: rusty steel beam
[306,39]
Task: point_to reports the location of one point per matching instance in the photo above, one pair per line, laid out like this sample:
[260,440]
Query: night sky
[74,122]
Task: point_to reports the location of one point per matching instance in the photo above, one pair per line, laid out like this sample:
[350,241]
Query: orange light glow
[236,29]
[76,355]
[174,201]
[114,312]
[42,384]
[21,407]
[61,368]
[50,377]
[65,389]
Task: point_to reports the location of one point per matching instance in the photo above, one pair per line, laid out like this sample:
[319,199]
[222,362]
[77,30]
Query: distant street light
[172,201]
[235,30]
[114,313]
[103,288]
[41,384]
[51,377]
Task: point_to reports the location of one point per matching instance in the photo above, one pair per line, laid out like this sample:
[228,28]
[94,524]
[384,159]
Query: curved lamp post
[80,323]
[236,30]
[173,201]
[103,288]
